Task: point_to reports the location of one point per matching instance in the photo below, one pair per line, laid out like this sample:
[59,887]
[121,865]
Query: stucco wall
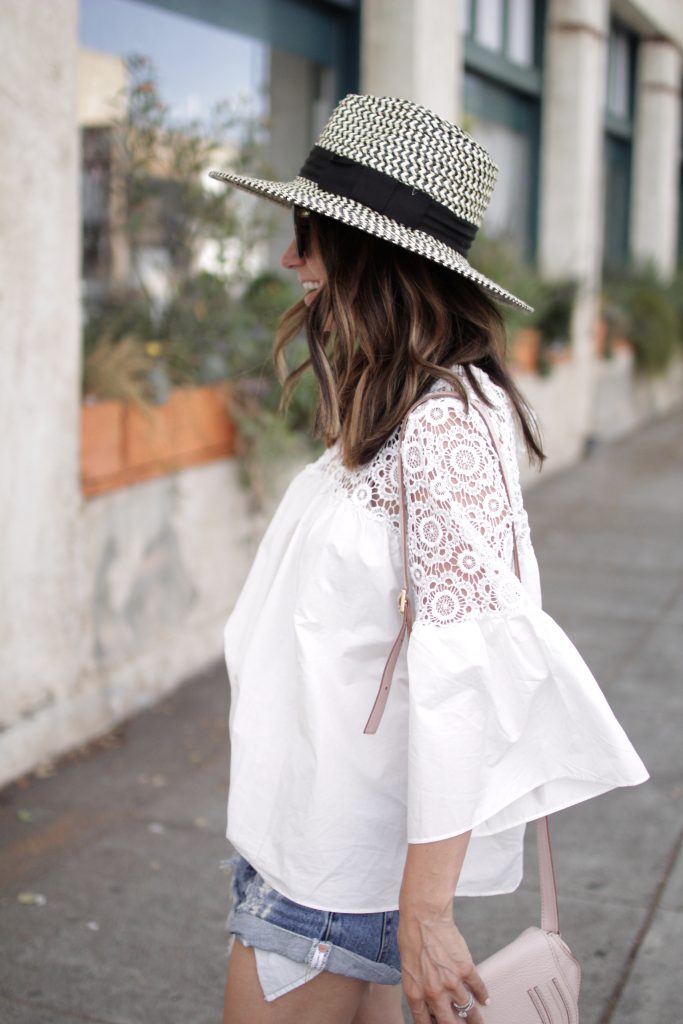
[621,402]
[39,347]
[624,402]
[554,402]
[159,565]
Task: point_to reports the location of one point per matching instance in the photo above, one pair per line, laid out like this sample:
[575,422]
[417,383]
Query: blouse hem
[600,787]
[382,908]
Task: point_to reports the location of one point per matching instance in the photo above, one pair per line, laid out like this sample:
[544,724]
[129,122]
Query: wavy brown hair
[399,322]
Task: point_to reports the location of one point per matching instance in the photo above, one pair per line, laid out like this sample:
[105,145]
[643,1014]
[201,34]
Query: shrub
[553,301]
[641,307]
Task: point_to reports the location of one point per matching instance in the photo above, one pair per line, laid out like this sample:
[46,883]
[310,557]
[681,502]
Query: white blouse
[493,718]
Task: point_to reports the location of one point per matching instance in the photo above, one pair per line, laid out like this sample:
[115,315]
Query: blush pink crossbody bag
[535,979]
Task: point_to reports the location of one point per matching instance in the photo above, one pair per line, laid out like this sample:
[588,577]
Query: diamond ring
[463,1010]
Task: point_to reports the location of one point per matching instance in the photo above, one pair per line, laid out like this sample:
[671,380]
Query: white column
[413,49]
[572,139]
[570,242]
[40,646]
[656,156]
[292,134]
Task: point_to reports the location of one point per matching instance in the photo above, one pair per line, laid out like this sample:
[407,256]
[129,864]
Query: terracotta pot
[622,344]
[102,444]
[526,343]
[201,420]
[149,436]
[600,337]
[123,444]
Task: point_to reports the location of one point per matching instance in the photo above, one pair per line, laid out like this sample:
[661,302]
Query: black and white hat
[398,171]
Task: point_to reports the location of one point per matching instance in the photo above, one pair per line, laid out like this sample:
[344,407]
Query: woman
[344,811]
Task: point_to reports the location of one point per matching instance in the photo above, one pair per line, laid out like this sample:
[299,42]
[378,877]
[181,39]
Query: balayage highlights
[385,325]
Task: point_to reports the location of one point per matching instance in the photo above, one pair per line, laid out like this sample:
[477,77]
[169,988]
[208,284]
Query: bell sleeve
[506,722]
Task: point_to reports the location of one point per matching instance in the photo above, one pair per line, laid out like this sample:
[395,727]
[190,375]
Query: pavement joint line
[673,598]
[8,875]
[614,997]
[73,830]
[67,1014]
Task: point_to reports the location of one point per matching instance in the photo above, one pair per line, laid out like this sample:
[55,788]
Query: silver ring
[463,1010]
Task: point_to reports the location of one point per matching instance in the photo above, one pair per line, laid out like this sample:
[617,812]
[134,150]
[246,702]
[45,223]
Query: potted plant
[640,311]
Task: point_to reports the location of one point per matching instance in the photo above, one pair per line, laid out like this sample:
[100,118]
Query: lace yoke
[460,517]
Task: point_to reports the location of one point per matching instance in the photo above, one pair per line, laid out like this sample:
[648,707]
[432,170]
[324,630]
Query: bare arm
[436,964]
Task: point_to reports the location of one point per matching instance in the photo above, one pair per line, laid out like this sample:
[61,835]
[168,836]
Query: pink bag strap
[549,910]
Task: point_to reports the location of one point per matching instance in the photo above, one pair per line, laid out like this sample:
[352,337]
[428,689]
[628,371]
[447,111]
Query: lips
[311,289]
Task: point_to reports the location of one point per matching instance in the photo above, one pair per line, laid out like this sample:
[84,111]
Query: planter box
[102,439]
[122,444]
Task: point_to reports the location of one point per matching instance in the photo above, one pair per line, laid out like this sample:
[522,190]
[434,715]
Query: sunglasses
[302,231]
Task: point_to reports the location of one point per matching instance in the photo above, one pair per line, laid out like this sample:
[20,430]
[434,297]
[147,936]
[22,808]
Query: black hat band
[408,206]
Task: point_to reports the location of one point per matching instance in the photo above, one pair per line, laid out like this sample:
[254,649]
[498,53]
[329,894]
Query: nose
[290,257]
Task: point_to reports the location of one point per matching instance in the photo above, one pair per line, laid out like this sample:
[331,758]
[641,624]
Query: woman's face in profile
[309,266]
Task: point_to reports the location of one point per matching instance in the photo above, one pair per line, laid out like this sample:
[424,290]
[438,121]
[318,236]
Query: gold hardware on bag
[403,601]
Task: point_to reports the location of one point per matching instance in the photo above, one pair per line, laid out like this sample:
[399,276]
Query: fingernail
[487,1003]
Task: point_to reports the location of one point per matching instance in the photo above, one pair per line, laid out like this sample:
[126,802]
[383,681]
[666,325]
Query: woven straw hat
[398,171]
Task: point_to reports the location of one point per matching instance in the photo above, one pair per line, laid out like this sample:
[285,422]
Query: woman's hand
[436,966]
[437,969]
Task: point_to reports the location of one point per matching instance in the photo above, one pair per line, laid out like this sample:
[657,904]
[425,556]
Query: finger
[444,1012]
[473,1016]
[461,999]
[420,1011]
[475,984]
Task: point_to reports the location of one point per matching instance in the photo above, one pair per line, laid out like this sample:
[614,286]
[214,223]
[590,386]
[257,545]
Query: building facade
[107,603]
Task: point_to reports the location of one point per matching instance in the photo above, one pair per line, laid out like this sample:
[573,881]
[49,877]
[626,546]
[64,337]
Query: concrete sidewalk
[111,899]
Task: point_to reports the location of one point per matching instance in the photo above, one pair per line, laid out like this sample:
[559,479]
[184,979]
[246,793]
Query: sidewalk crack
[617,992]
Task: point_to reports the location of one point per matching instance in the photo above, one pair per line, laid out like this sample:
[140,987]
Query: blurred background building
[132,287]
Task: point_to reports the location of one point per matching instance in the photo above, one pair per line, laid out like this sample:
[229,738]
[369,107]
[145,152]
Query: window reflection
[505,27]
[617,153]
[521,32]
[169,256]
[502,101]
[619,86]
[489,24]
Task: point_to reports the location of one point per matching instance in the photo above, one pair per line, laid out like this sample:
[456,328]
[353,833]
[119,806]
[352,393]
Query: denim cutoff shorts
[360,946]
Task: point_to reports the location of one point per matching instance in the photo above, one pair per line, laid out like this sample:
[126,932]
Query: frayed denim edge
[253,931]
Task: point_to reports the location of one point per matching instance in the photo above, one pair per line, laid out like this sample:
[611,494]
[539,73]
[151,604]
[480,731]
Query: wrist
[424,907]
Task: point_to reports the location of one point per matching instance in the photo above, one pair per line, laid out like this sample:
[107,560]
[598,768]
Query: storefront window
[521,32]
[489,23]
[507,27]
[502,94]
[168,90]
[619,84]
[618,149]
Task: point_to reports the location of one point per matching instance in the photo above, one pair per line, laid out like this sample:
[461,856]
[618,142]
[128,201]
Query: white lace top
[493,719]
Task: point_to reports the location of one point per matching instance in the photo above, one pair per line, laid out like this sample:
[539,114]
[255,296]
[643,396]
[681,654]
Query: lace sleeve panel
[460,540]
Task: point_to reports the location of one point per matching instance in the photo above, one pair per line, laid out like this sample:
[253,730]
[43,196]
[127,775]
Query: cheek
[317,268]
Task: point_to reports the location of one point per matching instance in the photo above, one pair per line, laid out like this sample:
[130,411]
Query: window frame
[515,96]
[327,32]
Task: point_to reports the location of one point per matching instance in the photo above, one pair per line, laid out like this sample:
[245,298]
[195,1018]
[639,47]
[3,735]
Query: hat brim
[305,193]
